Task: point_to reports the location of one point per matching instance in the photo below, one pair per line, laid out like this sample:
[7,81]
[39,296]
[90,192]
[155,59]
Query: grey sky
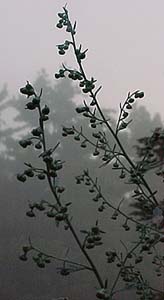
[125,41]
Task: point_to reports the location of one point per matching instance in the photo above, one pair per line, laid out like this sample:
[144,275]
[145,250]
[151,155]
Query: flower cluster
[64,22]
[125,108]
[28,90]
[93,237]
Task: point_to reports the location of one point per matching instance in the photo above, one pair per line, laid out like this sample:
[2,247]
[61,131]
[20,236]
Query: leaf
[69,203]
[74,26]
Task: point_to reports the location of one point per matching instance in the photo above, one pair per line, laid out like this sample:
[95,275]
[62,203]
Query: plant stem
[59,258]
[106,122]
[119,273]
[68,222]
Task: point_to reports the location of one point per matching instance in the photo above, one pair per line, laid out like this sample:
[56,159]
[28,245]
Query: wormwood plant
[149,230]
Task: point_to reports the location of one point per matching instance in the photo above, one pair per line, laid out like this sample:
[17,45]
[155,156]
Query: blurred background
[125,42]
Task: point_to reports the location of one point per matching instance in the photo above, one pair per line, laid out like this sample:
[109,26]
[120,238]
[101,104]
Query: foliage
[105,142]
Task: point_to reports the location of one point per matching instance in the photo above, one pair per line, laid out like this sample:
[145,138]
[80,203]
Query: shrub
[149,231]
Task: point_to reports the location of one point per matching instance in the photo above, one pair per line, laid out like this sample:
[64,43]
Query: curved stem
[93,267]
[58,258]
[106,122]
[123,263]
[118,207]
[86,254]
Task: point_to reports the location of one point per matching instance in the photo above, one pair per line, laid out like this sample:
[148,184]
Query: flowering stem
[58,258]
[123,263]
[93,96]
[68,222]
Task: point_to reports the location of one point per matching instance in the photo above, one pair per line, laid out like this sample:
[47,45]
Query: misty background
[125,42]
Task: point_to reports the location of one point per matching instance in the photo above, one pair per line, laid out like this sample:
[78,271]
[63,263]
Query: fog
[125,41]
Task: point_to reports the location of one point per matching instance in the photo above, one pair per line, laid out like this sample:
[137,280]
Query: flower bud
[131,100]
[23,257]
[40,264]
[23,143]
[50,214]
[41,176]
[45,110]
[61,52]
[36,131]
[82,109]
[59,217]
[128,106]
[29,172]
[59,25]
[139,94]
[38,145]
[21,177]
[30,106]
[30,214]
[27,90]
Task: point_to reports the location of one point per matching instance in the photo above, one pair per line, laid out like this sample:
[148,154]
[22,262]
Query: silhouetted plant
[107,146]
